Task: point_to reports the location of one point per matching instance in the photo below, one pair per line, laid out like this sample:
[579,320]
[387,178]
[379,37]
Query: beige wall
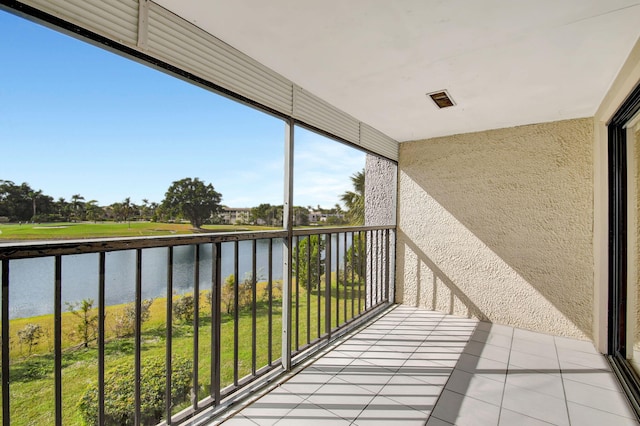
[498,225]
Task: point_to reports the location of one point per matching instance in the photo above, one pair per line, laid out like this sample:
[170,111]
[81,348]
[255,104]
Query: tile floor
[416,367]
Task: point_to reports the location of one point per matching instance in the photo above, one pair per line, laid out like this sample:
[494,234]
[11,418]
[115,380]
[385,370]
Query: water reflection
[31,280]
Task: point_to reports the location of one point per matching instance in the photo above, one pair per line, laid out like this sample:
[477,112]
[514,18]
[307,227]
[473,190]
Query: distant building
[235,215]
[316,216]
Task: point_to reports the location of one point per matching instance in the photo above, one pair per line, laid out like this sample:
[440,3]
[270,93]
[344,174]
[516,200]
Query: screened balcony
[342,353]
[495,279]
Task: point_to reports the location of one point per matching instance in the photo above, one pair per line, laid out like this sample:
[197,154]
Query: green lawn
[68,230]
[32,394]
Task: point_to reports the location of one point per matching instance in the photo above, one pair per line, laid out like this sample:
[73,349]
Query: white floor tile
[421,397]
[460,410]
[475,386]
[511,418]
[382,409]
[569,359]
[239,421]
[533,336]
[483,350]
[599,378]
[495,328]
[528,362]
[536,405]
[575,345]
[495,339]
[482,366]
[532,347]
[437,422]
[598,398]
[547,384]
[586,416]
[310,414]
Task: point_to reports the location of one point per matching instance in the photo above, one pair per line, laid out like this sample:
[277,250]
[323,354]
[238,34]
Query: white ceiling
[504,62]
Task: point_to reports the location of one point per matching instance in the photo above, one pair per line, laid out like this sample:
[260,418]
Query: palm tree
[63,208]
[144,211]
[34,196]
[94,212]
[77,204]
[354,200]
[127,209]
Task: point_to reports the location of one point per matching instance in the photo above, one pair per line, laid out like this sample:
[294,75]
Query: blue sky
[76,119]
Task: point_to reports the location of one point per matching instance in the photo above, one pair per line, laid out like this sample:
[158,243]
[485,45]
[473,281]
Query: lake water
[31,281]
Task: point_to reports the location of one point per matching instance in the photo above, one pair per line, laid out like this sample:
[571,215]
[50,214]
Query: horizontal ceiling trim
[214,60]
[117,20]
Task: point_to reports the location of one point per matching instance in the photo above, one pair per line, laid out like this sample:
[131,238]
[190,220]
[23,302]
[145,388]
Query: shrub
[184,308]
[125,322]
[30,335]
[88,325]
[245,291]
[311,267]
[119,392]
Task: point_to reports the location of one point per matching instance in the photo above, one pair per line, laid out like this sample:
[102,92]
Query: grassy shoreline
[31,377]
[14,232]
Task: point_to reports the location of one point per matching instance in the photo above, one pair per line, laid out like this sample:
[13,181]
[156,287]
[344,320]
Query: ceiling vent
[441,98]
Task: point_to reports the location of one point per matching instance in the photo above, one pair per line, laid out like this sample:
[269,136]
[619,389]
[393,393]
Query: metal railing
[337,275]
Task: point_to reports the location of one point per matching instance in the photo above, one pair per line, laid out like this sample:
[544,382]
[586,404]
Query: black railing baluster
[308,290]
[196,325]
[270,291]
[6,416]
[138,339]
[344,281]
[169,338]
[297,263]
[373,268]
[254,284]
[354,255]
[368,288]
[377,269]
[216,321]
[101,335]
[57,302]
[337,280]
[387,266]
[327,284]
[361,258]
[236,317]
[318,281]
[380,262]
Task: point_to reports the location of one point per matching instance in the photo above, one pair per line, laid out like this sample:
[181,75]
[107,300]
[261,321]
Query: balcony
[352,356]
[507,208]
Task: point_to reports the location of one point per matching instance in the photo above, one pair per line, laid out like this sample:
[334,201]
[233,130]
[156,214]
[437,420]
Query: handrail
[33,249]
[25,250]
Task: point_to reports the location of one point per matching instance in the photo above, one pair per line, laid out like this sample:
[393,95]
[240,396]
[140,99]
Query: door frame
[619,300]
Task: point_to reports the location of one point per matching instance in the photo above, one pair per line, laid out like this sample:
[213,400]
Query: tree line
[188,199]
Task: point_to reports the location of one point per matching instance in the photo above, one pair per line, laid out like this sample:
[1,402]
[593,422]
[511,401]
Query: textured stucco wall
[380,187]
[380,194]
[498,225]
